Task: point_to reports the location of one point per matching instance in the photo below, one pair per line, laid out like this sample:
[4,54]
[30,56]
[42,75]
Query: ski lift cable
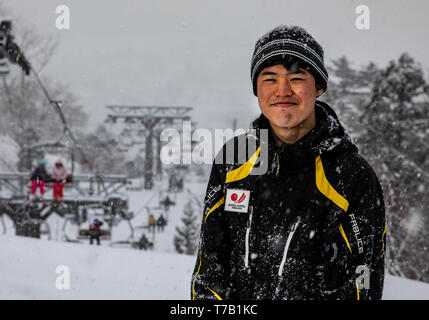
[147,202]
[66,129]
[57,108]
[55,103]
[196,199]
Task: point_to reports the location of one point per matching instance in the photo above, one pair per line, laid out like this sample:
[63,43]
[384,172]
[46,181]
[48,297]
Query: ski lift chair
[163,195]
[105,233]
[57,148]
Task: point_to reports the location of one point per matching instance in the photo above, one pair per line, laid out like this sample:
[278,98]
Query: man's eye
[269,80]
[296,79]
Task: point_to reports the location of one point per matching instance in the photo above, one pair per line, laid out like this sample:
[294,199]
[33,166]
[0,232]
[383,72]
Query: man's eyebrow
[269,73]
[272,73]
[298,71]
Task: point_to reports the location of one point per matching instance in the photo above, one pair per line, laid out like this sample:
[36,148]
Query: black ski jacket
[39,173]
[314,226]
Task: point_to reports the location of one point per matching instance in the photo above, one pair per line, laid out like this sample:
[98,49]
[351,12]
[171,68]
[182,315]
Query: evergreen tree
[389,123]
[396,144]
[186,238]
[346,75]
[366,76]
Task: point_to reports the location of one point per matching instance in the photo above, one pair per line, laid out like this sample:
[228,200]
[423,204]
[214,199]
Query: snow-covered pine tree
[346,75]
[186,238]
[395,121]
[387,115]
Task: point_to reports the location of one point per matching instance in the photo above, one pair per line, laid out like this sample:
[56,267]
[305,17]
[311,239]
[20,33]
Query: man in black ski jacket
[302,216]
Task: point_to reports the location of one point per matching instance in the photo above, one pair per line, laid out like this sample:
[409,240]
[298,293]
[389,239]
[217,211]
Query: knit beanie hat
[284,44]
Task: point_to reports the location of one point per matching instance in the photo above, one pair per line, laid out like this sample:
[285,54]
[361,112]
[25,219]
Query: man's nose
[284,88]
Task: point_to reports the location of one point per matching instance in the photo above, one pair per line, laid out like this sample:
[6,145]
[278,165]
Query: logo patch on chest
[237,200]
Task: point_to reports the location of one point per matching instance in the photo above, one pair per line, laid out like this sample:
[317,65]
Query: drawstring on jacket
[246,239]
[288,241]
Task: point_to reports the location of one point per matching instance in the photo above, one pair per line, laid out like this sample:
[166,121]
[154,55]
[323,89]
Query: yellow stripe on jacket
[244,170]
[326,189]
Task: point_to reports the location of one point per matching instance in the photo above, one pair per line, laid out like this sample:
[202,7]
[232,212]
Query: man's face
[287,98]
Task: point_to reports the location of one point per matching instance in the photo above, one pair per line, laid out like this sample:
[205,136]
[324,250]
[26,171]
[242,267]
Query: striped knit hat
[283,43]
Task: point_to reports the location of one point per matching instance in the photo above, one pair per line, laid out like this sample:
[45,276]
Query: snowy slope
[28,266]
[396,288]
[141,202]
[28,271]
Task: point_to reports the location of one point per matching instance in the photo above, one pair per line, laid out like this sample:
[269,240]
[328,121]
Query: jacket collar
[327,137]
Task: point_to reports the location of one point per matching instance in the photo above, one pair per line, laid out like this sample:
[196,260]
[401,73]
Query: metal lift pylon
[153,119]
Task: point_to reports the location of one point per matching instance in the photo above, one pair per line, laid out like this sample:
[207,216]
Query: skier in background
[152,223]
[167,202]
[38,178]
[59,178]
[161,222]
[180,184]
[94,231]
[144,243]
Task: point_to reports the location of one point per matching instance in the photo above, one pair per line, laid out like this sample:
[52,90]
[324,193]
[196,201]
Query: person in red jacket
[59,177]
[94,231]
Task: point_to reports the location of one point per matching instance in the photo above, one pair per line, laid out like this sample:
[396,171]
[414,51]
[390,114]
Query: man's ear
[319,90]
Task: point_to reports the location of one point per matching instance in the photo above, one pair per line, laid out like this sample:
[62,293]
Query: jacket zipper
[246,238]
[288,241]
[278,165]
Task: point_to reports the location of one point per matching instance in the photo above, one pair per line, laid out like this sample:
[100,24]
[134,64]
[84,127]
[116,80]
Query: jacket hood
[328,136]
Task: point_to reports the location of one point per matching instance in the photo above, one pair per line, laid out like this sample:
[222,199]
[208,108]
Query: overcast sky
[197,53]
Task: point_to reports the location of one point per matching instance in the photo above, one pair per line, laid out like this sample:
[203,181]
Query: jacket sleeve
[210,276]
[64,173]
[35,174]
[359,268]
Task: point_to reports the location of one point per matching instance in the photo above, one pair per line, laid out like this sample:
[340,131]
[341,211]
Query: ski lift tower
[153,119]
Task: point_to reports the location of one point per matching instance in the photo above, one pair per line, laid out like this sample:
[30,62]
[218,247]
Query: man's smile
[284,104]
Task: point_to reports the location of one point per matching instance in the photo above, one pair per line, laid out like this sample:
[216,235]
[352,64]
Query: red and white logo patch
[237,200]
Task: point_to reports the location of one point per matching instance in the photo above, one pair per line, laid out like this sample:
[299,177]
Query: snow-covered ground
[28,270]
[32,268]
[28,267]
